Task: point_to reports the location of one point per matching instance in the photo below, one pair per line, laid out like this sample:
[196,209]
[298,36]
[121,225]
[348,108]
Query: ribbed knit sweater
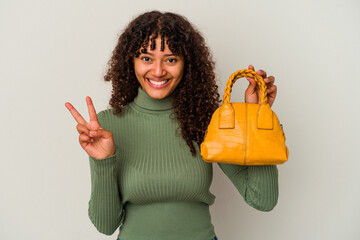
[153,188]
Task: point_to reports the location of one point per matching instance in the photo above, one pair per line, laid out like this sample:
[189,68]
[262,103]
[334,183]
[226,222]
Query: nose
[158,69]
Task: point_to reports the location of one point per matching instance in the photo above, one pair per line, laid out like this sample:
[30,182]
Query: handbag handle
[227,114]
[245,73]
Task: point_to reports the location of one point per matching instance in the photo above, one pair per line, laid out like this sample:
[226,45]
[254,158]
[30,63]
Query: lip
[158,86]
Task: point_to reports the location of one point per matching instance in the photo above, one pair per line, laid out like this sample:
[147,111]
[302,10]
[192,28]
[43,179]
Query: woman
[147,175]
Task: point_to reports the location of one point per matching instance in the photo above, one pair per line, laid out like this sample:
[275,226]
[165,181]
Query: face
[159,72]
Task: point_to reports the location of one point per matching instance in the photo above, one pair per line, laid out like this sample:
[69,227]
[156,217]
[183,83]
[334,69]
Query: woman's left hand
[252,93]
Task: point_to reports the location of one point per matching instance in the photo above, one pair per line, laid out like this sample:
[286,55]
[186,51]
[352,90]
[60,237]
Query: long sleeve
[257,184]
[105,208]
[105,205]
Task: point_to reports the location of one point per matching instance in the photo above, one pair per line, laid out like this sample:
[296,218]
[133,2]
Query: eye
[146,59]
[171,60]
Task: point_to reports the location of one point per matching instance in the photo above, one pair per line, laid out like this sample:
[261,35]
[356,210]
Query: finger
[251,82]
[101,133]
[261,73]
[272,89]
[92,112]
[84,138]
[269,81]
[82,129]
[75,113]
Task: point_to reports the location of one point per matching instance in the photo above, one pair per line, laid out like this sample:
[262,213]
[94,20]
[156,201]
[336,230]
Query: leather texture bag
[245,133]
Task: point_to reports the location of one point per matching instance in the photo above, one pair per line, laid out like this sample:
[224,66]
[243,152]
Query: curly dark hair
[196,97]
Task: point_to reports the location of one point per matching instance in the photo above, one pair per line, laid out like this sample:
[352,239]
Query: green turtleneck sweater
[153,188]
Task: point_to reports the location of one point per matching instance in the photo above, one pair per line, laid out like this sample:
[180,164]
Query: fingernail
[92,133]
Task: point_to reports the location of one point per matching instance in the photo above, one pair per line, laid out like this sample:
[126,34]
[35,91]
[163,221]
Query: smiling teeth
[158,83]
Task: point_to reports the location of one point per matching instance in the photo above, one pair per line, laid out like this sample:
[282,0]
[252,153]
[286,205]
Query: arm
[257,184]
[105,207]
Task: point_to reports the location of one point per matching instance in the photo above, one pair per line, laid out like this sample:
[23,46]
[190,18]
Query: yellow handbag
[245,133]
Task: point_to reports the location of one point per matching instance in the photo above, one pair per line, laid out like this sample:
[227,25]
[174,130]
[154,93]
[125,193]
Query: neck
[144,102]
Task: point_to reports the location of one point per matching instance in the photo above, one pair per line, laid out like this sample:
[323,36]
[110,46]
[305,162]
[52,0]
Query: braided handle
[245,73]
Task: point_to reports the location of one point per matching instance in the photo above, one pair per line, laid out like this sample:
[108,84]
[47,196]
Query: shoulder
[105,114]
[107,117]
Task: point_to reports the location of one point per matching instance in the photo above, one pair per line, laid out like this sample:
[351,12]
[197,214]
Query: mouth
[158,84]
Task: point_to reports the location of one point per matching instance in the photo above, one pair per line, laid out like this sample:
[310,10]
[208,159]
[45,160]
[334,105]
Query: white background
[56,51]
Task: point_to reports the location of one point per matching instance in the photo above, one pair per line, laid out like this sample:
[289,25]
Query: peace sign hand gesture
[96,141]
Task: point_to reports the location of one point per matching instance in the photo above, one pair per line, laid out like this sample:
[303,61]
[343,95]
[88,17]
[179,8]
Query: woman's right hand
[96,141]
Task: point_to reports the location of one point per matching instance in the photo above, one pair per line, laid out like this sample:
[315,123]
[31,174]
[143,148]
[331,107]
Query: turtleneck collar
[143,102]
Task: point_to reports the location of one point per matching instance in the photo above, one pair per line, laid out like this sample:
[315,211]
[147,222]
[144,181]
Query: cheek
[179,71]
[139,71]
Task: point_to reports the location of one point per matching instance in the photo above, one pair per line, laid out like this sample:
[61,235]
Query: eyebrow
[166,55]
